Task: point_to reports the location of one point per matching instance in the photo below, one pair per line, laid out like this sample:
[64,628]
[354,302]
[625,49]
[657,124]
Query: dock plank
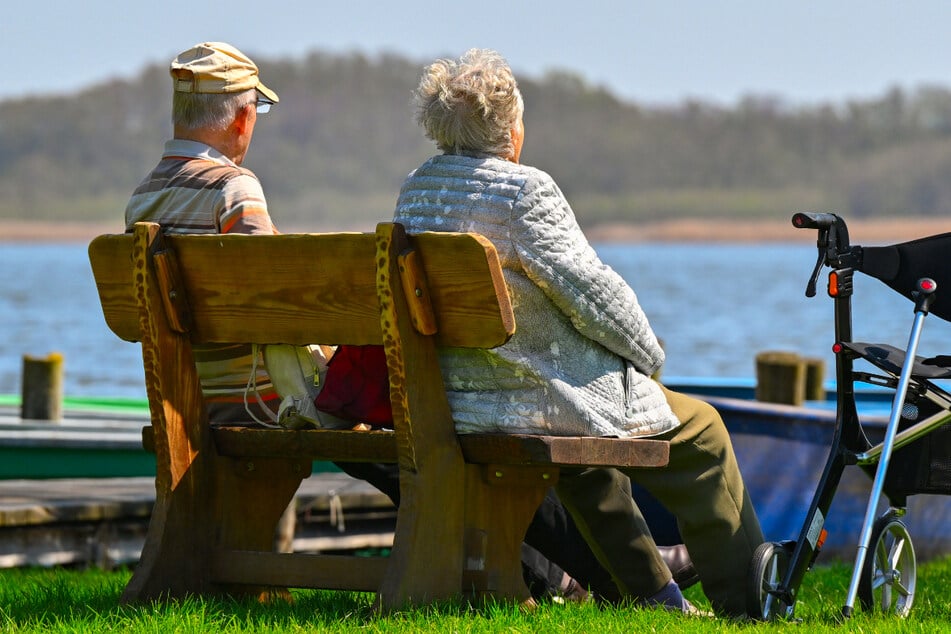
[102,521]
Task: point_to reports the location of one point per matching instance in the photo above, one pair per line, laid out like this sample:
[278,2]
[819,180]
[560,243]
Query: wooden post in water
[780,378]
[42,394]
[815,379]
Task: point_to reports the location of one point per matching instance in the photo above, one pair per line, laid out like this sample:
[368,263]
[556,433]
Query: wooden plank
[184,521]
[496,518]
[503,449]
[319,288]
[84,520]
[520,449]
[323,444]
[298,570]
[416,291]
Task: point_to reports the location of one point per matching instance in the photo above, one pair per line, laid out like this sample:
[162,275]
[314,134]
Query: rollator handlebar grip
[813,220]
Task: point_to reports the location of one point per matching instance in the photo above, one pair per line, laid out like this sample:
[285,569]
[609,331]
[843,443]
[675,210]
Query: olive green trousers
[702,487]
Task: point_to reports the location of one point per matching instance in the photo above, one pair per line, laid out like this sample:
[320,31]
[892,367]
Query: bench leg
[500,504]
[235,507]
[252,495]
[425,564]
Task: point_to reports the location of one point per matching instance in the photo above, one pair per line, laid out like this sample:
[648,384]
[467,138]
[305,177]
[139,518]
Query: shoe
[670,598]
[574,592]
[681,567]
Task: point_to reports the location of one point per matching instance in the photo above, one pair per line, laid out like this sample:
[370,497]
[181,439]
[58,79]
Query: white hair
[212,111]
[470,105]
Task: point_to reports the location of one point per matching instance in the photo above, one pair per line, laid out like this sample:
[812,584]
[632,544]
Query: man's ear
[242,118]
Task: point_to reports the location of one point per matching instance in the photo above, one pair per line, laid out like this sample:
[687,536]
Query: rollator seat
[891,359]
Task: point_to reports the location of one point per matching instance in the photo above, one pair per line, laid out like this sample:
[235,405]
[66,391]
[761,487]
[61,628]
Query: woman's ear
[517,134]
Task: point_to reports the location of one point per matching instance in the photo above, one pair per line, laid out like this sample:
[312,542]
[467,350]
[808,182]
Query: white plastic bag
[297,374]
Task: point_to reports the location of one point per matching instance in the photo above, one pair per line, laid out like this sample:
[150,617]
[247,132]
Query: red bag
[357,386]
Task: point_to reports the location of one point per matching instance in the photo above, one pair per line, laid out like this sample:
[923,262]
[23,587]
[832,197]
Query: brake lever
[822,242]
[814,279]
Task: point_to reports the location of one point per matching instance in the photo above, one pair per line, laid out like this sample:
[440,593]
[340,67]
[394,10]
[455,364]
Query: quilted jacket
[580,361]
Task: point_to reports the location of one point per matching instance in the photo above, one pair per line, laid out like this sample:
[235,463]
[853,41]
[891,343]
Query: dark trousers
[702,486]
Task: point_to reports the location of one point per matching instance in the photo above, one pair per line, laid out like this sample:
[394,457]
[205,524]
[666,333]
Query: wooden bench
[466,500]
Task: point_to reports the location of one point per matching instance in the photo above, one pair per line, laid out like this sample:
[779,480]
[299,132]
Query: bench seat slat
[566,451]
[380,446]
[323,444]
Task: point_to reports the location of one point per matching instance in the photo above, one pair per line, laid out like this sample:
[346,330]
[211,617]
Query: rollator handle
[813,220]
[833,241]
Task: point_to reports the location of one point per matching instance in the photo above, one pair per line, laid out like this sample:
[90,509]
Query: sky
[659,52]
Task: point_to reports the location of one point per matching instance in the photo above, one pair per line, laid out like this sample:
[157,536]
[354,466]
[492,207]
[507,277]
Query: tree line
[334,151]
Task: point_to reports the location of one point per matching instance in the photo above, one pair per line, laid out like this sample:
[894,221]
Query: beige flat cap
[216,67]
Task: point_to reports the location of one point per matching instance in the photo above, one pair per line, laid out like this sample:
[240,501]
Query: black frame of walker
[911,378]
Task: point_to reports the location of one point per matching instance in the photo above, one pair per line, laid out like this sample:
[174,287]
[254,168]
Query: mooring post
[780,378]
[42,394]
[815,379]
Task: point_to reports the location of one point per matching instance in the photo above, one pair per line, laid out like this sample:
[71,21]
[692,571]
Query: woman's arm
[556,256]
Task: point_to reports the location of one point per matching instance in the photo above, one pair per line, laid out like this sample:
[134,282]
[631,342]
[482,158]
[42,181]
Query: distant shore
[880,231]
[692,230]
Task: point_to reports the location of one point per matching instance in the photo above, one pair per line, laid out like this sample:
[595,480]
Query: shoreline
[881,231]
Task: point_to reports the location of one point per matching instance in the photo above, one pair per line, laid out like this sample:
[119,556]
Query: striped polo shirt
[196,189]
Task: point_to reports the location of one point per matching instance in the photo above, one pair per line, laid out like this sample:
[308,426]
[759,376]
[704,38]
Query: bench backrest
[309,288]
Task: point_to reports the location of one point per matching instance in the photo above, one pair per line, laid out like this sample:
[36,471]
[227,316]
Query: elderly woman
[581,360]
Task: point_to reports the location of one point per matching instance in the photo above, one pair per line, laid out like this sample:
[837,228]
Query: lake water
[713,305]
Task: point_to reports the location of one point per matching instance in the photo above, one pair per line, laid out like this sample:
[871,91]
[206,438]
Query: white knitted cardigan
[580,361]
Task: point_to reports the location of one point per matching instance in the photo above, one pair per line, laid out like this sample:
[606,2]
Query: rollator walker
[913,457]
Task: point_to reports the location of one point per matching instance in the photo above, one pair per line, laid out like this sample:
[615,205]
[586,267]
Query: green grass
[57,600]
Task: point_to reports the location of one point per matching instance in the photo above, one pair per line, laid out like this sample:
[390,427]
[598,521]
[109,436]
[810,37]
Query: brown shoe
[574,591]
[681,567]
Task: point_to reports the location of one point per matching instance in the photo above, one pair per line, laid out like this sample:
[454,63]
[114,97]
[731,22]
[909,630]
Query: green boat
[96,438]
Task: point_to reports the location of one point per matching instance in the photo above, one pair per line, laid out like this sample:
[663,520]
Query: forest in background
[334,151]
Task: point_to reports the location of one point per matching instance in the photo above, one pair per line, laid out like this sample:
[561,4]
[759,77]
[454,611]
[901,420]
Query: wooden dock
[102,521]
[61,502]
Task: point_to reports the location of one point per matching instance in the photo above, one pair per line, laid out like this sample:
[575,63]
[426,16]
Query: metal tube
[879,482]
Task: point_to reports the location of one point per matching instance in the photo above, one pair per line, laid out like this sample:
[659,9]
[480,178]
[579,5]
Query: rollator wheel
[767,571]
[890,571]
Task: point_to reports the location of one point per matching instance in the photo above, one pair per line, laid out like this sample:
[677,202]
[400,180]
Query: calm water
[714,306]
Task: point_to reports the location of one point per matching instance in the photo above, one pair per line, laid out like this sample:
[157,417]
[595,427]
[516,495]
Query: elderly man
[199,186]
